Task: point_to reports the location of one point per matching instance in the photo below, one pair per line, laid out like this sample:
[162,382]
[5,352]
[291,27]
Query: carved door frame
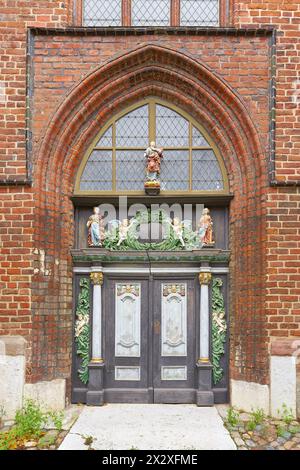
[96,389]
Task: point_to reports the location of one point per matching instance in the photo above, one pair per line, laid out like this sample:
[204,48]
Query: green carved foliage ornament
[82,329]
[219,328]
[171,242]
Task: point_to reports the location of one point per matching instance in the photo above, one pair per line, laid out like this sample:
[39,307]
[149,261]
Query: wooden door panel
[174,341]
[126,341]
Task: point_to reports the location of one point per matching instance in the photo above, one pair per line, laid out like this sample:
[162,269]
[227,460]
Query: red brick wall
[16,16]
[35,223]
[17,202]
[283,214]
[15,268]
[59,64]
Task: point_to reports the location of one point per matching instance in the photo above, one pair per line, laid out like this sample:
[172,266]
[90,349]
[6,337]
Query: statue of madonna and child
[154,156]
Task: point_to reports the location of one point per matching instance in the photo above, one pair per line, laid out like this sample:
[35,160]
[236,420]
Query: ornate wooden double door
[150,336]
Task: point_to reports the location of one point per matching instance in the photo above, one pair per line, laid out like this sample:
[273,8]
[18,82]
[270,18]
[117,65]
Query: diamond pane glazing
[198,139]
[130,168]
[175,170]
[97,174]
[132,130]
[151,13]
[102,13]
[106,139]
[172,130]
[128,146]
[207,173]
[199,12]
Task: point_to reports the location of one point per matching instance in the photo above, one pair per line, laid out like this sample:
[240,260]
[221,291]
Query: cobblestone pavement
[254,431]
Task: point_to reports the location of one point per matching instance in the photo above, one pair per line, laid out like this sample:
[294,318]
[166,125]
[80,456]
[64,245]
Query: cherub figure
[123,231]
[206,229]
[220,320]
[81,321]
[96,233]
[178,230]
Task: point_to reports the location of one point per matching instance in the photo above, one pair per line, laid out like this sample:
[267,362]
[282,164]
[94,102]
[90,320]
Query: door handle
[156,327]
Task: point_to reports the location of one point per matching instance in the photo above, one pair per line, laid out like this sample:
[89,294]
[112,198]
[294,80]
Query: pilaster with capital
[97,281]
[204,279]
[95,393]
[205,396]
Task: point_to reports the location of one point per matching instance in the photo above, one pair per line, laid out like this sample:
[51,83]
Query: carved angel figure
[123,230]
[220,321]
[178,230]
[96,233]
[206,229]
[81,321]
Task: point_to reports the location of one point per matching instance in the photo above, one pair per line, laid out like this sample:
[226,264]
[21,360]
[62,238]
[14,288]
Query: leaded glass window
[199,12]
[102,12]
[151,13]
[132,129]
[116,162]
[175,170]
[97,174]
[130,170]
[171,129]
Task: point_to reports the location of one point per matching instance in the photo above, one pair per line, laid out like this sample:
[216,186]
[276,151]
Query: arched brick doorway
[174,77]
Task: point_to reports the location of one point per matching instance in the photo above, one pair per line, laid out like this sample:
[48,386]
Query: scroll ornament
[219,328]
[82,329]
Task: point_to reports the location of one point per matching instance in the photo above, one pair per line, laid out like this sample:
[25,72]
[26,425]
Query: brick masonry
[69,99]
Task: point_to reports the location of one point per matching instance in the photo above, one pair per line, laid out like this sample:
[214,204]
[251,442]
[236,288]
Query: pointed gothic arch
[153,70]
[118,150]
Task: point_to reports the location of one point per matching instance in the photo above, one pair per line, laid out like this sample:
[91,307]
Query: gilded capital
[205,278]
[97,278]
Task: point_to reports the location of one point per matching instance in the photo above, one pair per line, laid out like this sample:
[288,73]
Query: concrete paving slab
[149,427]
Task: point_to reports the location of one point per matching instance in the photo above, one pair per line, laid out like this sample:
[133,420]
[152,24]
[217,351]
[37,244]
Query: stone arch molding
[175,77]
[149,70]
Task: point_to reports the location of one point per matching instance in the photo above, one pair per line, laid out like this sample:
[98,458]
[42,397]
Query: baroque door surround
[94,392]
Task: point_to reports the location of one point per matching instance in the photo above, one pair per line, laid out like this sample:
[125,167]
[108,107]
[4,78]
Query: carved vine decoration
[219,328]
[82,329]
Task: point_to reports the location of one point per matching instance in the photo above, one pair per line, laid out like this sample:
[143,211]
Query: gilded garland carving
[82,329]
[219,328]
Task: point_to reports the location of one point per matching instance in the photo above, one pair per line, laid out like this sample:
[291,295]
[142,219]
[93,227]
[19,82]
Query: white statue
[123,230]
[178,230]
